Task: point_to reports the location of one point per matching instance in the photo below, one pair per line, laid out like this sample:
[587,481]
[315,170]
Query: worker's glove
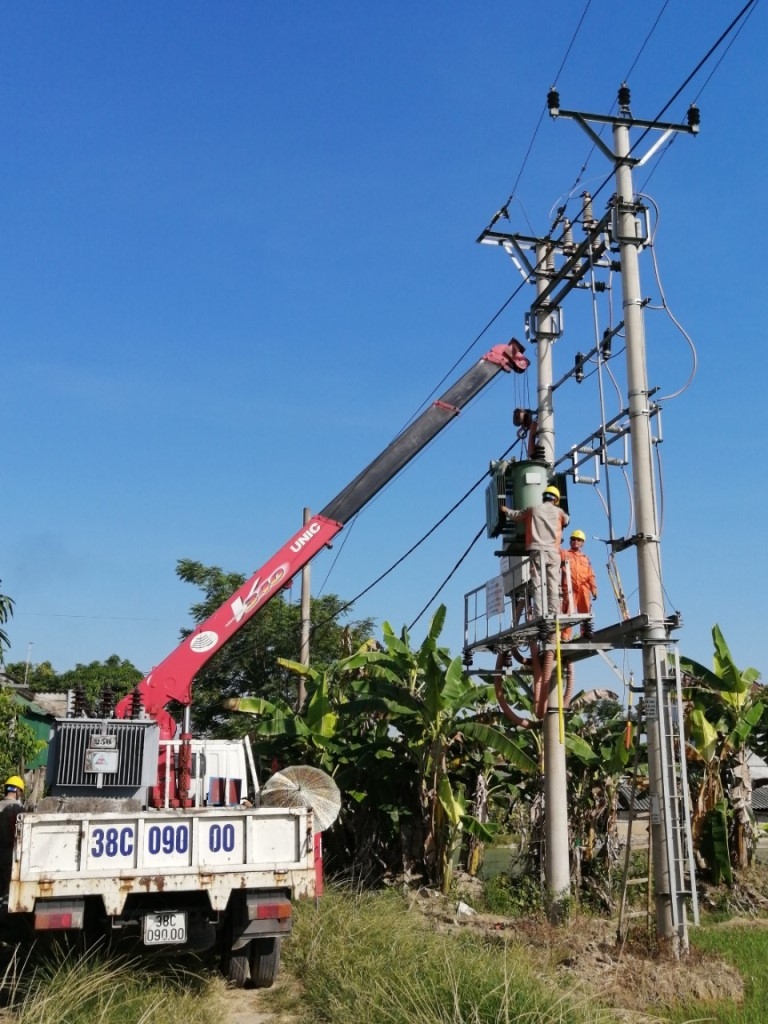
[594,597]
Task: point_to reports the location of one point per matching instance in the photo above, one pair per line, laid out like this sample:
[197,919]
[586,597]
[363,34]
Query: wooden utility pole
[306,593]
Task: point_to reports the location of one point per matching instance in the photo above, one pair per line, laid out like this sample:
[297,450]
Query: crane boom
[172,679]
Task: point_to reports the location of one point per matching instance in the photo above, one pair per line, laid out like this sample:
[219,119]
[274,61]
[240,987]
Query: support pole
[651,595]
[557,865]
[306,592]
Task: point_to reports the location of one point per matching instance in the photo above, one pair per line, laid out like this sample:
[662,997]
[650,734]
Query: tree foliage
[725,707]
[6,611]
[251,662]
[407,735]
[115,674]
[18,743]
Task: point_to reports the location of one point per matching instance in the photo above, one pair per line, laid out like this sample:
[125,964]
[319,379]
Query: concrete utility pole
[544,327]
[647,530]
[629,233]
[306,593]
[557,866]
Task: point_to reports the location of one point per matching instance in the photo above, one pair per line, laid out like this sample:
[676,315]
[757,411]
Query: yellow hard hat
[15,782]
[578,535]
[553,492]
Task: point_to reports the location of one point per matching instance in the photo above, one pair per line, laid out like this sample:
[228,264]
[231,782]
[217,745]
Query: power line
[97,618]
[503,212]
[475,539]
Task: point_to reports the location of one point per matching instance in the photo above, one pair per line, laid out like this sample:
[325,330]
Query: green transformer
[517,485]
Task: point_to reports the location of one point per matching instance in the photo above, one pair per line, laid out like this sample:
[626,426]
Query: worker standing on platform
[543,532]
[583,587]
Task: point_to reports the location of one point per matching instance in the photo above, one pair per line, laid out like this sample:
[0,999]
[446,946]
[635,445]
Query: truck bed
[113,855]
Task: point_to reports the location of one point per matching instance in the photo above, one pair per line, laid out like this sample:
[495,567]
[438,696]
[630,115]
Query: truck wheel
[238,968]
[265,961]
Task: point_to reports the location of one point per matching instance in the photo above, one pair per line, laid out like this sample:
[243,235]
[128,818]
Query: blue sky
[238,253]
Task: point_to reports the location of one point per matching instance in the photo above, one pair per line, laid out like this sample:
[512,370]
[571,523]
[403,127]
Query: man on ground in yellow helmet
[543,530]
[10,807]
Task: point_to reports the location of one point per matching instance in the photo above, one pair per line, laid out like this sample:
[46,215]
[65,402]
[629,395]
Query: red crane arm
[172,678]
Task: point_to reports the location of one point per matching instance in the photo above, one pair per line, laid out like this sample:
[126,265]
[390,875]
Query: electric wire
[474,541]
[413,547]
[697,96]
[419,455]
[654,121]
[724,53]
[608,178]
[626,79]
[601,396]
[665,307]
[505,208]
[463,356]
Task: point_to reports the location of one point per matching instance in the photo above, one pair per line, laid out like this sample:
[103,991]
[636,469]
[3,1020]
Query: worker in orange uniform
[583,586]
[543,530]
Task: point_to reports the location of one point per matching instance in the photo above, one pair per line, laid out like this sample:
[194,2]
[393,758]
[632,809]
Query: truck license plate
[163,929]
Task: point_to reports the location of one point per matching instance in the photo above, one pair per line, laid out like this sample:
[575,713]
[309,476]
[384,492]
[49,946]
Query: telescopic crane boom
[172,679]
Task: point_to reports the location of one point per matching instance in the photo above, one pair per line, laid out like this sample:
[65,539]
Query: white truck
[150,833]
[220,874]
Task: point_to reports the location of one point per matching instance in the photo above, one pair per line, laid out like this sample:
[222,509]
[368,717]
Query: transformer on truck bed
[149,833]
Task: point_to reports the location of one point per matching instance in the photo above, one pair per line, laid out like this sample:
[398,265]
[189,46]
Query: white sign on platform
[494,597]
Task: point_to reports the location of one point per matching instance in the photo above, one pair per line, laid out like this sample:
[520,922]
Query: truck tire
[264,955]
[238,968]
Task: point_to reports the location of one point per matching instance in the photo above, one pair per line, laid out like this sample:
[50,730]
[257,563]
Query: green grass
[745,946]
[62,988]
[365,958]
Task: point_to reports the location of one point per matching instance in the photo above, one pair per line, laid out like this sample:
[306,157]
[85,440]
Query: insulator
[694,117]
[605,347]
[467,658]
[549,260]
[80,706]
[579,368]
[600,286]
[107,703]
[568,243]
[136,706]
[587,216]
[553,102]
[624,98]
[522,418]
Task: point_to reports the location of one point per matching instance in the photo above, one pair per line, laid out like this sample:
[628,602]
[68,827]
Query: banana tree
[724,708]
[437,718]
[356,752]
[599,754]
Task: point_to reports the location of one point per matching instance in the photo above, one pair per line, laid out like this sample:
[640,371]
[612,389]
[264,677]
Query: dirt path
[251,1006]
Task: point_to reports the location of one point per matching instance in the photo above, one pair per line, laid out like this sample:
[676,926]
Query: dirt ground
[253,1006]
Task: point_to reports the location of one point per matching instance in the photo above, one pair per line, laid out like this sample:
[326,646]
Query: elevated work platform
[492,624]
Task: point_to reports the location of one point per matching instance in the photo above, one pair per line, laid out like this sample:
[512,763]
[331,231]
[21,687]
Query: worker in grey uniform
[543,533]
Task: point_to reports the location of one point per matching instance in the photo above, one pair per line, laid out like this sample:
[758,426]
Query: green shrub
[512,897]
